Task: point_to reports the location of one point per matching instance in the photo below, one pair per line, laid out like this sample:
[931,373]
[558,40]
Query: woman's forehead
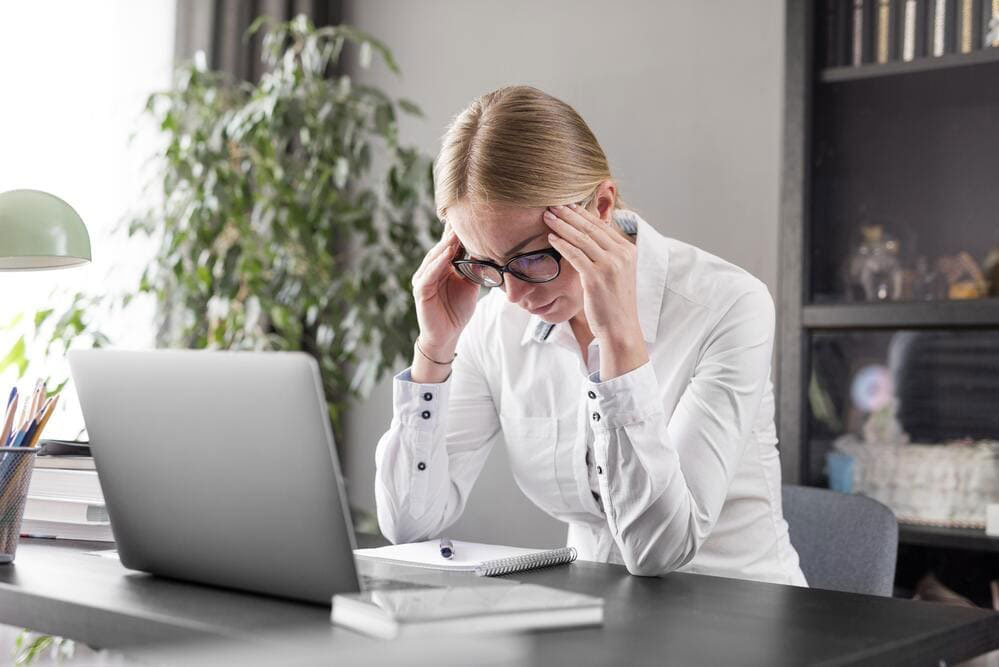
[489,231]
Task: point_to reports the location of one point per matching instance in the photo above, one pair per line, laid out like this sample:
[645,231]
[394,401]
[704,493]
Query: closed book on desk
[82,485]
[464,609]
[485,560]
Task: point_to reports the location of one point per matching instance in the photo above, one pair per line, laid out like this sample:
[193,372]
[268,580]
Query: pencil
[8,422]
[46,414]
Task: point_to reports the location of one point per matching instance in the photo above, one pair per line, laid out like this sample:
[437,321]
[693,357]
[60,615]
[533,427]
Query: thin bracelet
[439,363]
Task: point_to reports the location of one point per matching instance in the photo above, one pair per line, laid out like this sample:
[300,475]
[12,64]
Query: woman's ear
[604,199]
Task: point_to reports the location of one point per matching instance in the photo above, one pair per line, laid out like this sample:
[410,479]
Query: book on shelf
[968,25]
[862,32]
[464,609]
[911,26]
[940,32]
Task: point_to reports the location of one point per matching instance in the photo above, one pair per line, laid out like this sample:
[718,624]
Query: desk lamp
[40,231]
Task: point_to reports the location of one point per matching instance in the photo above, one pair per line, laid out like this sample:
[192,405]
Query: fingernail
[548,215]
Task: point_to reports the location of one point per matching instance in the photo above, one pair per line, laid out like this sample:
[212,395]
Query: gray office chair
[845,542]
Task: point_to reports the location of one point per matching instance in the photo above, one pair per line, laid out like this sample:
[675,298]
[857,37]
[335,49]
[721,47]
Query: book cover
[464,609]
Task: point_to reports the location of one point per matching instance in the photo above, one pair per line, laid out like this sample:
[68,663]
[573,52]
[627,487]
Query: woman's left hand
[606,263]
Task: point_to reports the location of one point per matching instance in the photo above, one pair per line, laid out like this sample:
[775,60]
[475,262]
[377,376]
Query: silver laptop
[220,468]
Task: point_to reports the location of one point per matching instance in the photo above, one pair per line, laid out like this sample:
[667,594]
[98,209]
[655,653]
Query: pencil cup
[16,464]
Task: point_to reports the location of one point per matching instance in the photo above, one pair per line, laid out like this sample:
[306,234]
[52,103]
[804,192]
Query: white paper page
[467,555]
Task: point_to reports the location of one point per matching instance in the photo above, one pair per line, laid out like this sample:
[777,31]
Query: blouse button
[427,396]
[591,394]
[600,470]
[421,466]
[425,414]
[596,416]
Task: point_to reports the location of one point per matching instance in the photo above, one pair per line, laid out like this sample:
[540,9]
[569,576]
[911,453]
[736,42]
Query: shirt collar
[651,265]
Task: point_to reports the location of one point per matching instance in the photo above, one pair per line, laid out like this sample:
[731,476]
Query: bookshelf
[912,148]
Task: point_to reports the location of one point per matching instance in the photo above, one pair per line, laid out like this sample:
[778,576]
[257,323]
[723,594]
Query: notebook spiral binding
[499,566]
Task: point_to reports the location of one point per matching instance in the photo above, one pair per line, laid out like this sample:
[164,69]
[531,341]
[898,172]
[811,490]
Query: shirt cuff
[626,399]
[419,405]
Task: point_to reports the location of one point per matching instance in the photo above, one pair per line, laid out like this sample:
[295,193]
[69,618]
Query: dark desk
[680,619]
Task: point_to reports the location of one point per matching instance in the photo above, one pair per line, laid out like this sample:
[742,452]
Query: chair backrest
[845,542]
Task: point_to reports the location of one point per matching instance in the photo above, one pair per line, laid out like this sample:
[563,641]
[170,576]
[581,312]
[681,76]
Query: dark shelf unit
[955,538]
[811,94]
[977,313]
[925,64]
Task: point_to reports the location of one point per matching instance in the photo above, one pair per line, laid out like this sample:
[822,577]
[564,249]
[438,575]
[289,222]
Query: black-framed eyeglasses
[538,266]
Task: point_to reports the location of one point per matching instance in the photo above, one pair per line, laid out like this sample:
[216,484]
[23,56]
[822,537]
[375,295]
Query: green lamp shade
[40,231]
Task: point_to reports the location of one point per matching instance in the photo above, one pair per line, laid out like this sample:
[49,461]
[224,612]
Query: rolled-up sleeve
[436,445]
[664,478]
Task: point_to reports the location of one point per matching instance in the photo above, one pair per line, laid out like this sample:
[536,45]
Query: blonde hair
[518,146]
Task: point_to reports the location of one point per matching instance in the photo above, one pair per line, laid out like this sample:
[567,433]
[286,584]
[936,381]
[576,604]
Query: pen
[447,549]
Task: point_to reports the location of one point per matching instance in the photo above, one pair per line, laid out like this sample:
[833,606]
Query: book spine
[831,37]
[923,9]
[883,41]
[969,25]
[857,33]
[909,31]
[534,561]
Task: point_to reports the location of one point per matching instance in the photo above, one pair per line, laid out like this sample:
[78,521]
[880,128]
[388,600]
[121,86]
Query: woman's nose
[515,288]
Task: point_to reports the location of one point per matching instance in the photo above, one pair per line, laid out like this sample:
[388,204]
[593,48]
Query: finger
[438,268]
[580,239]
[598,231]
[574,255]
[442,246]
[601,229]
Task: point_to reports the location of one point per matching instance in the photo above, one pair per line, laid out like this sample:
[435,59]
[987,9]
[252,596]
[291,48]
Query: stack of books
[64,497]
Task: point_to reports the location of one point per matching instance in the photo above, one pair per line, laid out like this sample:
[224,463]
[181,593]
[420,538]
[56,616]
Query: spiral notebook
[485,560]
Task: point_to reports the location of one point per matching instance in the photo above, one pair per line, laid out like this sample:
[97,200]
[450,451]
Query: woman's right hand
[445,300]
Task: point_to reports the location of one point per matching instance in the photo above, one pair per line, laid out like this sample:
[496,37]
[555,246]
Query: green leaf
[16,357]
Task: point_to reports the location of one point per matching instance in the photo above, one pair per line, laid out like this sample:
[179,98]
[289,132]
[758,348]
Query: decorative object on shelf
[992,23]
[928,484]
[40,231]
[925,283]
[874,272]
[990,267]
[883,425]
[965,279]
[872,388]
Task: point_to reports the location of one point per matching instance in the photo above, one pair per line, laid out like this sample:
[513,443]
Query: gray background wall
[683,95]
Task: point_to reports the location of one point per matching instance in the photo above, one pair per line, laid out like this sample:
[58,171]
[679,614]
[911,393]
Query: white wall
[74,77]
[683,95]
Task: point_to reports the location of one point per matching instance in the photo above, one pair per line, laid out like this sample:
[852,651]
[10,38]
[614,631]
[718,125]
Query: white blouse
[671,466]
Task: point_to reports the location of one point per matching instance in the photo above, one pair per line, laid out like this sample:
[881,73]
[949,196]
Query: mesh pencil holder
[16,464]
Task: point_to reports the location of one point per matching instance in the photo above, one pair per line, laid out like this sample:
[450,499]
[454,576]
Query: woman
[628,373]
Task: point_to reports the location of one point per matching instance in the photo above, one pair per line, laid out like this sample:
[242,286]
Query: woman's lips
[544,309]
